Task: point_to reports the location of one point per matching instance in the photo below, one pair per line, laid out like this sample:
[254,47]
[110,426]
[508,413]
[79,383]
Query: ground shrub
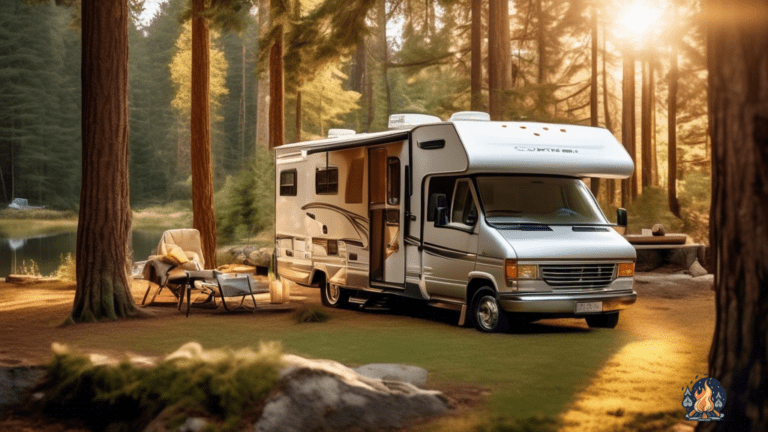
[311,314]
[67,270]
[224,384]
[47,214]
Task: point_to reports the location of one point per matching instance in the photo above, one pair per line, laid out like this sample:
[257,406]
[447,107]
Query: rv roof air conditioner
[470,116]
[407,121]
[338,133]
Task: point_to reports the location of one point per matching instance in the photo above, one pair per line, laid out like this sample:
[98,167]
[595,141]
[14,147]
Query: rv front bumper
[565,303]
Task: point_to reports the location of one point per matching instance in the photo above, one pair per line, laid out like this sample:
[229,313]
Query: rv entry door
[385,185]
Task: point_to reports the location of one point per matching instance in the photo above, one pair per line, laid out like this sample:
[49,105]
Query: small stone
[193,424]
[394,372]
[658,230]
[697,270]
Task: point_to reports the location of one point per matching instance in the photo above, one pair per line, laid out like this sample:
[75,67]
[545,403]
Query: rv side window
[464,209]
[288,183]
[327,181]
[393,181]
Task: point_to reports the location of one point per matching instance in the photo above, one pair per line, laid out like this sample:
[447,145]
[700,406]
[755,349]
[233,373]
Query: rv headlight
[626,269]
[515,271]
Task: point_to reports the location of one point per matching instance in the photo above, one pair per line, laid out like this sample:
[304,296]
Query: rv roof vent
[407,121]
[470,116]
[338,133]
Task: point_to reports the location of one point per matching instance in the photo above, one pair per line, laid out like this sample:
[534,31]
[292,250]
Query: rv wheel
[334,296]
[487,313]
[603,321]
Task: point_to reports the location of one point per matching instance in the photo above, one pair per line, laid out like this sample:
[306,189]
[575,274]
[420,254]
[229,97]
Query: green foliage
[531,424]
[181,72]
[311,314]
[245,205]
[651,208]
[39,105]
[28,268]
[226,384]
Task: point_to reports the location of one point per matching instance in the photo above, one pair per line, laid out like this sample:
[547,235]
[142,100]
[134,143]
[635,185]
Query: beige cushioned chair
[178,250]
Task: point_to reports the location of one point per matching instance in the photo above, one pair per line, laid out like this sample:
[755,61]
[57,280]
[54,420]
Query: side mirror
[621,221]
[436,200]
[441,216]
[621,217]
[471,218]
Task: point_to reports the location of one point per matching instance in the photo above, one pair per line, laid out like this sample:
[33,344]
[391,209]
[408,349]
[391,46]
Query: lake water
[47,250]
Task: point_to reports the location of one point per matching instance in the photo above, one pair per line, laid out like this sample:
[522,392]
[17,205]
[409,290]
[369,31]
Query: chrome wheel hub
[488,313]
[333,292]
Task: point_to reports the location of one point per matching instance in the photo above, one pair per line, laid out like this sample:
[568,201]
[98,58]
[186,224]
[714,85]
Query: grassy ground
[551,371]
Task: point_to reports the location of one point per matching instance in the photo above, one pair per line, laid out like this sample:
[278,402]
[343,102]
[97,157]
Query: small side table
[192,277]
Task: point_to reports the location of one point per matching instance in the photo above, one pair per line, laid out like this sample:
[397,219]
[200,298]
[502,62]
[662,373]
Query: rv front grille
[578,275]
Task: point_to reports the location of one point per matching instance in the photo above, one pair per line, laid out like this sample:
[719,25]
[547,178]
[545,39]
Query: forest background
[564,65]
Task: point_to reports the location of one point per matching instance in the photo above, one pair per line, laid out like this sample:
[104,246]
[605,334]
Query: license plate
[589,307]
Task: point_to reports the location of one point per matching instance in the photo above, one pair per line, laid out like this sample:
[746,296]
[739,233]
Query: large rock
[16,383]
[697,270]
[673,286]
[394,372]
[323,395]
[259,257]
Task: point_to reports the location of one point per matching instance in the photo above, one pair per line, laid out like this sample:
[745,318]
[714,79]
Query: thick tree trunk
[674,205]
[645,123]
[203,216]
[262,101]
[297,123]
[104,223]
[593,102]
[611,189]
[242,113]
[379,81]
[276,91]
[738,107]
[628,186]
[652,97]
[499,72]
[541,43]
[476,80]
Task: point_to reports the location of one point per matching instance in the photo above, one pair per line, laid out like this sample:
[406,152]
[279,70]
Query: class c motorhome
[485,217]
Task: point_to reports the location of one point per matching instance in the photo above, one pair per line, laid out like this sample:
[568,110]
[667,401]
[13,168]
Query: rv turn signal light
[515,271]
[626,269]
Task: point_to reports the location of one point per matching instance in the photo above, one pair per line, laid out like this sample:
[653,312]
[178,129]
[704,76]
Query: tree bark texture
[652,101]
[611,189]
[541,43]
[276,91]
[476,79]
[379,78]
[263,88]
[628,123]
[593,102]
[645,123]
[674,204]
[738,108]
[499,72]
[104,223]
[203,216]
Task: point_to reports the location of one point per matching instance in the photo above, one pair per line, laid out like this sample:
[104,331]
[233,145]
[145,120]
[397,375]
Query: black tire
[333,296]
[609,320]
[486,313]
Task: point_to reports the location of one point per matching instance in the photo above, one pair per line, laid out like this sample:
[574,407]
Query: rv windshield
[538,200]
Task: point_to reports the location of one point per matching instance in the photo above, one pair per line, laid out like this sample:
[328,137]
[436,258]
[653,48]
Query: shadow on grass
[420,310]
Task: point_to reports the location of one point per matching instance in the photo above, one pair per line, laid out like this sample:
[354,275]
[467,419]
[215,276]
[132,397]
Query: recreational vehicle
[492,219]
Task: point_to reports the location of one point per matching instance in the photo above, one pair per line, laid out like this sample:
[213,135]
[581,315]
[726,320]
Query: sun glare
[637,20]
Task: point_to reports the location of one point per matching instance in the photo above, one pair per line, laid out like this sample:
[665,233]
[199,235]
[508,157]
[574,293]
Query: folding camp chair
[165,270]
[223,286]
